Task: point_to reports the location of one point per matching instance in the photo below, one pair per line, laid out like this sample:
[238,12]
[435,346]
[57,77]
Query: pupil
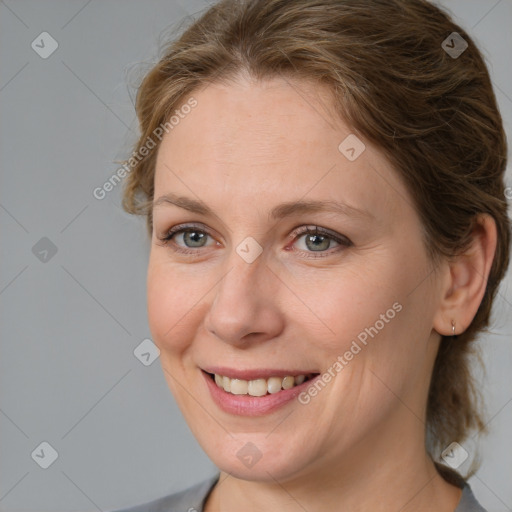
[194,239]
[317,242]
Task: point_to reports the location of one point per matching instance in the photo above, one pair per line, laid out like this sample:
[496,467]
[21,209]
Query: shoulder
[468,501]
[189,500]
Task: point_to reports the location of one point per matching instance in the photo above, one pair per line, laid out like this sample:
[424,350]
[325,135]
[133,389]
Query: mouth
[259,387]
[255,392]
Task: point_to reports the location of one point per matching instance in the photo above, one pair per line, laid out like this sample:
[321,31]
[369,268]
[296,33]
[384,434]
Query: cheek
[174,308]
[374,302]
[351,301]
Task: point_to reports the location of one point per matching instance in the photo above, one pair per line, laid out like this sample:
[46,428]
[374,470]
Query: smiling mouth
[259,387]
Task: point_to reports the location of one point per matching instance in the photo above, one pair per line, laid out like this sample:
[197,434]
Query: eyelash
[343,241]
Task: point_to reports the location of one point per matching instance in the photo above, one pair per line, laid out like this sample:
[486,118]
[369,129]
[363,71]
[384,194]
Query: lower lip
[246,405]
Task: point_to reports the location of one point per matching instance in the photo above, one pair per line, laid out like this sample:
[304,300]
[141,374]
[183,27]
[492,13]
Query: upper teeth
[258,387]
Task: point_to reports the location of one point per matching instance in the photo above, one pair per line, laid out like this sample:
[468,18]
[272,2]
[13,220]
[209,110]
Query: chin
[257,457]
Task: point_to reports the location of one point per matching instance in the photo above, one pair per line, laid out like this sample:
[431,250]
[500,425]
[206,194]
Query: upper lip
[256,373]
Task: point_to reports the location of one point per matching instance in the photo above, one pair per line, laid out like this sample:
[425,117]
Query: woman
[323,186]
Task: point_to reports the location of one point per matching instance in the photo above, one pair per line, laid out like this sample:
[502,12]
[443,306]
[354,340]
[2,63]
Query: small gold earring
[453,328]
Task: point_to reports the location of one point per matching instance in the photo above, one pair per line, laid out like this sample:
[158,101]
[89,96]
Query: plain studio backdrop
[74,395]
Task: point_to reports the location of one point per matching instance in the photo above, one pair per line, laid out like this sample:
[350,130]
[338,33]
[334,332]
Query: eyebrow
[192,205]
[278,212]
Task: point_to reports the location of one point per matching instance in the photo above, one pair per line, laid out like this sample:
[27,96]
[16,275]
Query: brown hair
[432,114]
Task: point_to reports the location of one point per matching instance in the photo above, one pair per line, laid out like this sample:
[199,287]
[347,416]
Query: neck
[381,473]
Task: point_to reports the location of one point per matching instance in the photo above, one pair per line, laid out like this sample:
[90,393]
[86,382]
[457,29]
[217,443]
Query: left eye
[316,242]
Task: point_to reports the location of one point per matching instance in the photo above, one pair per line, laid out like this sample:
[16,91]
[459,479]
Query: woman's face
[296,252]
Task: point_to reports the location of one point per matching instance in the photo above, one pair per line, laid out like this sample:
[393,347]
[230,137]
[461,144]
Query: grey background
[69,325]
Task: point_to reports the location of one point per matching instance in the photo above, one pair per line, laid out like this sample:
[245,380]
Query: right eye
[187,238]
[190,238]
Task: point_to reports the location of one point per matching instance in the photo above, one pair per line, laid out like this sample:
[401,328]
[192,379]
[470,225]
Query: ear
[466,278]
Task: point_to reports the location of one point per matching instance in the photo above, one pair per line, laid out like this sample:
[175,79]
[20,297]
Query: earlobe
[466,280]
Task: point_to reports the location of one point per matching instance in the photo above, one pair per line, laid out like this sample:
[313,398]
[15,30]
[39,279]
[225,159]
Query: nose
[245,308]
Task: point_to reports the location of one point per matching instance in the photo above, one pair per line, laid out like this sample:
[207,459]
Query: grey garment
[189,500]
[194,498]
[468,502]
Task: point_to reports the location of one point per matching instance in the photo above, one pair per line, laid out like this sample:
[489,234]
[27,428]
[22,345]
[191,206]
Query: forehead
[248,120]
[272,141]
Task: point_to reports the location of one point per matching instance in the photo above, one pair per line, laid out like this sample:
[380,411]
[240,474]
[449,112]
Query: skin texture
[246,148]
